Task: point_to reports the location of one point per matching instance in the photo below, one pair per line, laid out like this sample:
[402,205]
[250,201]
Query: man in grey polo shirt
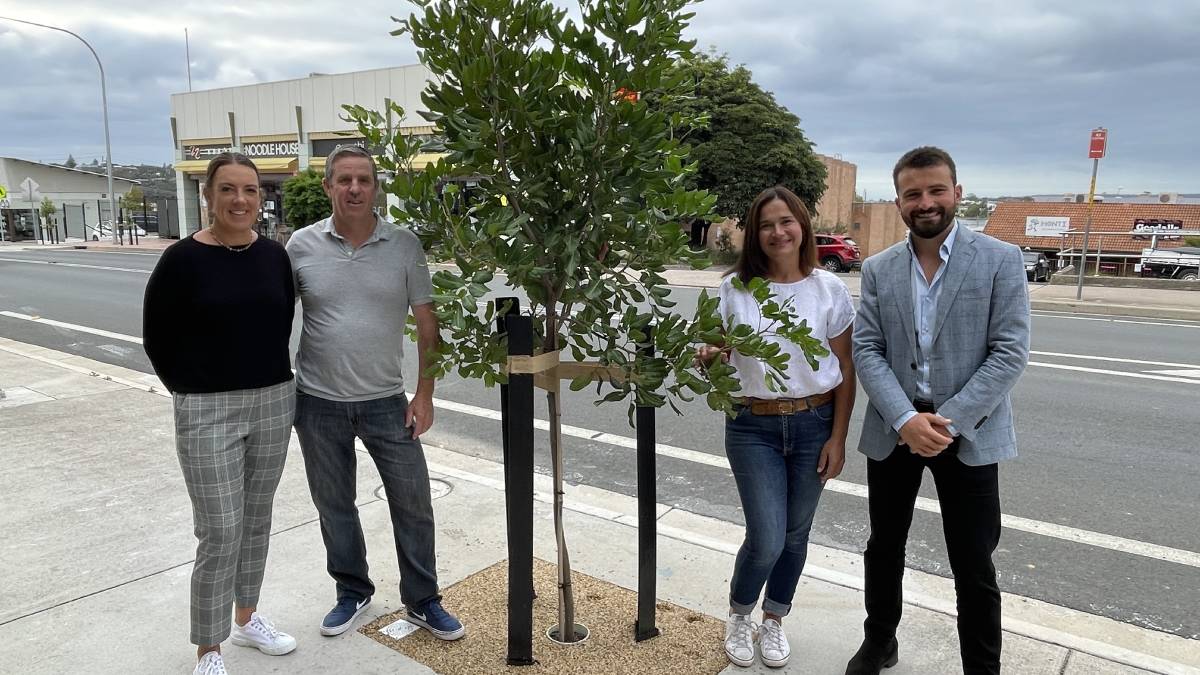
[357,276]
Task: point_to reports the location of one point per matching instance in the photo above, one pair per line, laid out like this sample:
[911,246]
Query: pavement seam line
[86,371]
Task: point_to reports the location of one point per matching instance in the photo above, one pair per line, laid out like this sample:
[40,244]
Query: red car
[838,253]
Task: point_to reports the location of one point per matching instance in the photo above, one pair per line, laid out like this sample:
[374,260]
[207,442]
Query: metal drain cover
[437,489]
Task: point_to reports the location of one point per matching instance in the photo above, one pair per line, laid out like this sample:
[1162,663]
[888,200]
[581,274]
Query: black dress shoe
[873,657]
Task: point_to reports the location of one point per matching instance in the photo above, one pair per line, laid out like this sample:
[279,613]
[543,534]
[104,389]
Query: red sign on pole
[1099,143]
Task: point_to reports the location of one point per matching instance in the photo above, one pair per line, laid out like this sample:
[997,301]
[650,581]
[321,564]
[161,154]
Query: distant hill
[157,181]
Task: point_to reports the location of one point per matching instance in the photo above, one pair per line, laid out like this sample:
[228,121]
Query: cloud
[1010,87]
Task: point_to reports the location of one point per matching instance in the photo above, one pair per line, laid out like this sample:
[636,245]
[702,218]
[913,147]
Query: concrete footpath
[98,545]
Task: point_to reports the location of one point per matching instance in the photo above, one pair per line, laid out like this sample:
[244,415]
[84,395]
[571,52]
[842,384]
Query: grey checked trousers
[232,446]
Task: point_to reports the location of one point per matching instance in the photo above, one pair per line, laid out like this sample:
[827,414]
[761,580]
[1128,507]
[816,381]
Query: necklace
[235,249]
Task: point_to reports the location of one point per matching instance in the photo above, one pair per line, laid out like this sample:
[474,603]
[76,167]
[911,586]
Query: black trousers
[970,504]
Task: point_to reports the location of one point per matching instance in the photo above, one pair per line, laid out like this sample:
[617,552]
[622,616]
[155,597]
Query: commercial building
[80,199]
[1118,234]
[835,206]
[284,127]
[875,226]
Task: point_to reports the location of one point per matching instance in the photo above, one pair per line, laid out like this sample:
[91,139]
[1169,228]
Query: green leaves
[554,176]
[304,200]
[743,139]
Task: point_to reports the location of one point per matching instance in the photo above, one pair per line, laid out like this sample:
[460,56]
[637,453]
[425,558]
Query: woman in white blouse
[782,445]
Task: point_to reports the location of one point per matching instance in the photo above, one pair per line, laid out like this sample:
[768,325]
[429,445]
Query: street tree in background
[132,201]
[47,208]
[304,200]
[582,187]
[749,141]
[70,163]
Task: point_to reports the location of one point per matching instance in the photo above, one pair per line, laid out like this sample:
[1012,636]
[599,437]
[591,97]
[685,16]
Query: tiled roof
[1007,223]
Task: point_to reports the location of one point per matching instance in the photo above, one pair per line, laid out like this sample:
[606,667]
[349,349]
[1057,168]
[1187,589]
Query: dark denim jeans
[774,461]
[326,430]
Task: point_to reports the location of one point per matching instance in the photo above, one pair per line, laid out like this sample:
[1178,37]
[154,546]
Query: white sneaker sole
[270,651]
[330,631]
[772,663]
[744,663]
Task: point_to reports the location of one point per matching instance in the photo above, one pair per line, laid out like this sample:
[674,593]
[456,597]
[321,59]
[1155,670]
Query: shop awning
[419,162]
[274,164]
[192,165]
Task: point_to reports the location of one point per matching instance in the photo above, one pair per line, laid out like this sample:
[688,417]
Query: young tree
[749,141]
[70,163]
[132,201]
[582,185]
[304,200]
[47,208]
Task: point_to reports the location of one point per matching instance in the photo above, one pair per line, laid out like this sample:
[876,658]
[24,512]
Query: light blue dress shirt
[925,299]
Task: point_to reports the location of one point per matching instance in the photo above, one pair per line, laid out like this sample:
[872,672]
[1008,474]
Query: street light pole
[112,198]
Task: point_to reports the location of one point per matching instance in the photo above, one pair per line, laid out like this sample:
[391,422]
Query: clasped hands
[927,434]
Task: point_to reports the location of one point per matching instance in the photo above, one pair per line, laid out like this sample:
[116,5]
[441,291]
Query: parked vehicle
[1173,263]
[103,231]
[1037,266]
[838,253]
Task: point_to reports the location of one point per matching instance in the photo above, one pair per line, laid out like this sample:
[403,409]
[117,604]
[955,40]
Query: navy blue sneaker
[342,616]
[433,618]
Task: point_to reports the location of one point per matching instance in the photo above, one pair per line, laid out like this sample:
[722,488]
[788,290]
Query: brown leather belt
[785,406]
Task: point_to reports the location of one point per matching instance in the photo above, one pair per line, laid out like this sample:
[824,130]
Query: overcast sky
[1010,87]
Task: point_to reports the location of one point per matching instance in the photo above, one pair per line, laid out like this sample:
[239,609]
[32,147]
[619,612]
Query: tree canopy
[746,140]
[304,200]
[582,186]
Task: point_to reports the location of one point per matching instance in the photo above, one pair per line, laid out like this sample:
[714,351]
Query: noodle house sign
[261,150]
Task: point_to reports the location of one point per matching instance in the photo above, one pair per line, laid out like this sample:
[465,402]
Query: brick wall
[836,204]
[876,226]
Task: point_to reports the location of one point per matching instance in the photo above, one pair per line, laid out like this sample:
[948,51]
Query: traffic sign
[30,187]
[1098,144]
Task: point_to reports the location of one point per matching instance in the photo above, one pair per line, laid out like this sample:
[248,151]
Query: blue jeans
[326,430]
[774,460]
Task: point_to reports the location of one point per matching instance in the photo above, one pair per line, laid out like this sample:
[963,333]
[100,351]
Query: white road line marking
[1119,373]
[1116,360]
[1063,532]
[63,264]
[1178,373]
[72,326]
[1107,319]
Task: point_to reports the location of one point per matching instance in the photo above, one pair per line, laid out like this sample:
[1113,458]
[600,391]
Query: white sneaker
[773,644]
[739,639]
[210,664]
[263,636]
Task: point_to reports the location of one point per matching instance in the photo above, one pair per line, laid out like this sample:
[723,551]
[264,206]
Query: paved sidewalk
[98,547]
[150,243]
[1141,302]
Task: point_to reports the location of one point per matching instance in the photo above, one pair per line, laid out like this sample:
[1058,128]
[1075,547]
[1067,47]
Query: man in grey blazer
[941,337]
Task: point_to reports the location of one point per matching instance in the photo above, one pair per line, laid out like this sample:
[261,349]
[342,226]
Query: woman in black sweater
[217,321]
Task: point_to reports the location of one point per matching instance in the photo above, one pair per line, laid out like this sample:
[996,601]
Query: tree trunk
[566,596]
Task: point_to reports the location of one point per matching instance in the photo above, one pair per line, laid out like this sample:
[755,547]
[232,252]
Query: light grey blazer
[980,345]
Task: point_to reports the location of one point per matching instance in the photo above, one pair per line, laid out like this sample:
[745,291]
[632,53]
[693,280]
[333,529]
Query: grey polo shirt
[356,303]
